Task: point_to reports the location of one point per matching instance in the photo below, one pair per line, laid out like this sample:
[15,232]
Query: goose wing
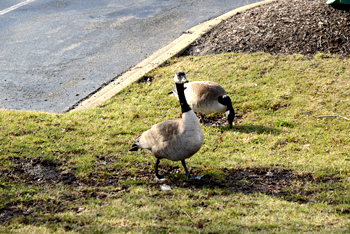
[161,134]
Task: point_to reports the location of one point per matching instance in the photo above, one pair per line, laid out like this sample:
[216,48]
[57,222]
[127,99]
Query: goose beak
[230,117]
[184,80]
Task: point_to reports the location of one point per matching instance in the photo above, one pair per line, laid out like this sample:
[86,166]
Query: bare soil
[220,120]
[286,26]
[107,182]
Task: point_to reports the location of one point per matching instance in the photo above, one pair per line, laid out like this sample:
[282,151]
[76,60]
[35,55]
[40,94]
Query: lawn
[282,168]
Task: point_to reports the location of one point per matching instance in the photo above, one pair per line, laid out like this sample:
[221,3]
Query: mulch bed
[286,26]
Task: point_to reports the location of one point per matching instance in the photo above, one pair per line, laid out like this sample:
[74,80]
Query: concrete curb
[156,59]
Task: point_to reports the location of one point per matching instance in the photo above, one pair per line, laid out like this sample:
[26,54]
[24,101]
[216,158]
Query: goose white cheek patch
[227,113]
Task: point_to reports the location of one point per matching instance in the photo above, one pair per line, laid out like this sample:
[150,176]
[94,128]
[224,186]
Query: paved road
[53,53]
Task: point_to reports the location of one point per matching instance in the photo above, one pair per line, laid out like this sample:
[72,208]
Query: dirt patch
[220,120]
[37,171]
[42,172]
[107,182]
[275,182]
[286,26]
[272,181]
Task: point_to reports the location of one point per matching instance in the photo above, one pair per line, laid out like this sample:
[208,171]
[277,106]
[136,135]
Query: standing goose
[205,97]
[176,139]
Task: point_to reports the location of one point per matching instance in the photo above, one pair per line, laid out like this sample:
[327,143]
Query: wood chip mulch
[286,26]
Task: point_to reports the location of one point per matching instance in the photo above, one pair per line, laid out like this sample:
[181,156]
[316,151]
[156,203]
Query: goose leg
[188,173]
[159,177]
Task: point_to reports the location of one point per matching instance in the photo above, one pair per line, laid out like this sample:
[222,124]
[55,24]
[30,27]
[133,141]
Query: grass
[279,99]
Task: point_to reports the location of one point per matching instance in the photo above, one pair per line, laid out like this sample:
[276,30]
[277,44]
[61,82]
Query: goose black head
[230,113]
[180,77]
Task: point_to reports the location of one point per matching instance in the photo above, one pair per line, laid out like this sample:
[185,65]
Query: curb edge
[173,49]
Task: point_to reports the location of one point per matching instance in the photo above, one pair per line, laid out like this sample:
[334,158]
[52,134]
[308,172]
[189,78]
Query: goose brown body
[205,97]
[175,140]
[202,97]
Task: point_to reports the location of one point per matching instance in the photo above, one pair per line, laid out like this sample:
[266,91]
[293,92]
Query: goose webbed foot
[159,177]
[188,175]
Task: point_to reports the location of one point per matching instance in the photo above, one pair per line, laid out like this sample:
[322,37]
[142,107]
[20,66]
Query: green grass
[279,98]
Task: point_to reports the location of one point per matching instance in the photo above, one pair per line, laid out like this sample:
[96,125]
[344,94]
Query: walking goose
[176,139]
[205,97]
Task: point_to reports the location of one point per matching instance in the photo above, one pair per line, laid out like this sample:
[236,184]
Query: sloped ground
[286,26]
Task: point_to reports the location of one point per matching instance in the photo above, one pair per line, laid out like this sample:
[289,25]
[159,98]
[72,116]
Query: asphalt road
[53,53]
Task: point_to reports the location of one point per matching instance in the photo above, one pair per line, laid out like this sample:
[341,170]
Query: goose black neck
[226,100]
[181,93]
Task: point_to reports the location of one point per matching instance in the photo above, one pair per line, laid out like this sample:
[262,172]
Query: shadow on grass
[111,183]
[221,122]
[258,129]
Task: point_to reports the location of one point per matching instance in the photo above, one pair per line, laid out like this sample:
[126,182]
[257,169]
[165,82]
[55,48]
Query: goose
[205,97]
[176,139]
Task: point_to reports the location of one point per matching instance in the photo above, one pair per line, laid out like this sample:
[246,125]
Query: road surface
[53,53]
